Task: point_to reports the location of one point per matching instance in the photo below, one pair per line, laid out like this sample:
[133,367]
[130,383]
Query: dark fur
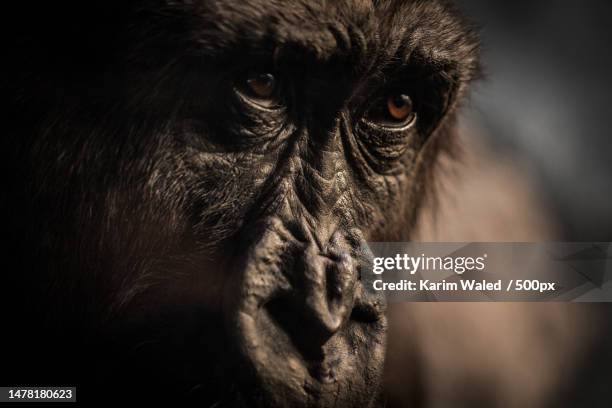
[134,186]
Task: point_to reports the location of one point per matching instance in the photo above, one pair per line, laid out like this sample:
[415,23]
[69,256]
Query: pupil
[401,100]
[266,79]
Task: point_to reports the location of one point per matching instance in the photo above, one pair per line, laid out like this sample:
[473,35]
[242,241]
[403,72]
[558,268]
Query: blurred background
[536,166]
[546,101]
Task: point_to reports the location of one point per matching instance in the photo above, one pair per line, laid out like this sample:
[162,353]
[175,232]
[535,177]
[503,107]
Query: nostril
[365,313]
[308,341]
[368,308]
[336,290]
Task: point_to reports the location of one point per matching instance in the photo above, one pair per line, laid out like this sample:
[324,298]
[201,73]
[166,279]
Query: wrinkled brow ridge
[302,30]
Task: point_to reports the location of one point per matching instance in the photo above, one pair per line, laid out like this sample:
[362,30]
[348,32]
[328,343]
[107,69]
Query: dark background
[546,101]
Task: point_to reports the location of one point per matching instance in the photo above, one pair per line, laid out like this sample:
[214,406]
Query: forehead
[323,29]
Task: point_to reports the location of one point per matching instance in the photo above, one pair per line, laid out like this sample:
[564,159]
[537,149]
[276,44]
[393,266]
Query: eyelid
[393,128]
[378,108]
[262,104]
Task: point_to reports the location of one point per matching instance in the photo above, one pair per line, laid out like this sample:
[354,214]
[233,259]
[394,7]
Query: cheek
[382,202]
[389,208]
[214,192]
[189,285]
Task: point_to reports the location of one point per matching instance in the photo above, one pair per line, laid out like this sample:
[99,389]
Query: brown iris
[400,107]
[262,85]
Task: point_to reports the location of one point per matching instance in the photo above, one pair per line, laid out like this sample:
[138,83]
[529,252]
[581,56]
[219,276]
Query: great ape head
[201,177]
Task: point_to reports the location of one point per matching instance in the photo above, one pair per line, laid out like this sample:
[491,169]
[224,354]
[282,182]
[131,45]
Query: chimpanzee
[189,184]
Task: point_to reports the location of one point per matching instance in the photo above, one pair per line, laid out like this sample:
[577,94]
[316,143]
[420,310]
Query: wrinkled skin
[174,237]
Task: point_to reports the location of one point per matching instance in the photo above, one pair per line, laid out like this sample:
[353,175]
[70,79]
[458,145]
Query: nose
[321,296]
[294,283]
[297,311]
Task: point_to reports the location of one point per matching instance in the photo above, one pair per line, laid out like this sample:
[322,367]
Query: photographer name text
[466,285]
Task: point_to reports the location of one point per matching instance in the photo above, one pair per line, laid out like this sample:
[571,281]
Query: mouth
[275,371]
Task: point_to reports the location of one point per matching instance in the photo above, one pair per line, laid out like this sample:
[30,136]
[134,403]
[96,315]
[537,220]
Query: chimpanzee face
[206,176]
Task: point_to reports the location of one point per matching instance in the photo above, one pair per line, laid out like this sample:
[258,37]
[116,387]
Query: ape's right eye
[262,85]
[260,88]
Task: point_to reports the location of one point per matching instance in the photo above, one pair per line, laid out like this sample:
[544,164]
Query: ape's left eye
[393,111]
[260,88]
